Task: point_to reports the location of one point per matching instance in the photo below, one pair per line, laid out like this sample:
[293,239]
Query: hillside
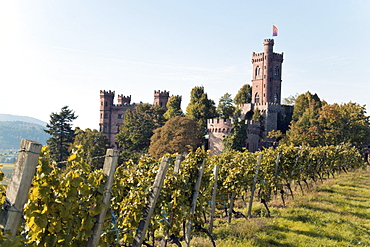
[11,133]
[9,117]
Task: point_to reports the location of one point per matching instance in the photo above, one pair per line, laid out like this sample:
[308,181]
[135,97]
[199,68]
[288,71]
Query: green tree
[225,108]
[173,107]
[200,108]
[238,137]
[290,100]
[244,95]
[61,132]
[346,123]
[175,137]
[94,144]
[135,133]
[304,102]
[257,115]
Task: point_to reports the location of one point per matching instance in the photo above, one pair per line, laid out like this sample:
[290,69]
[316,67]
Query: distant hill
[14,128]
[9,117]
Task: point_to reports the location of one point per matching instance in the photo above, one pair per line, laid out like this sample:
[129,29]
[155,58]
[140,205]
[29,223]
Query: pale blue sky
[56,53]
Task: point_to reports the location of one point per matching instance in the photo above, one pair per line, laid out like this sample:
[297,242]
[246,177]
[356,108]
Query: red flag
[274,31]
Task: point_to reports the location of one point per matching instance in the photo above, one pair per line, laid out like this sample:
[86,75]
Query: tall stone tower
[266,78]
[161,98]
[112,115]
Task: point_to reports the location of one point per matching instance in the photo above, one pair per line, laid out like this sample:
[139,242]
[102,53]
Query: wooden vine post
[152,201]
[179,159]
[213,199]
[254,185]
[19,186]
[194,203]
[276,170]
[109,168]
[231,206]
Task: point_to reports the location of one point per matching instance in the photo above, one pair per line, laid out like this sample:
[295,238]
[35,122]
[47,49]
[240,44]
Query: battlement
[107,93]
[218,121]
[124,100]
[161,93]
[278,56]
[268,41]
[218,126]
[253,123]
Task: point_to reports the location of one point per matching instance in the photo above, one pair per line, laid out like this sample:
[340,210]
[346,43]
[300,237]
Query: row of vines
[63,203]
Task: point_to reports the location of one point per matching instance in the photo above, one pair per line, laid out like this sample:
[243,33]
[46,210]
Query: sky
[58,53]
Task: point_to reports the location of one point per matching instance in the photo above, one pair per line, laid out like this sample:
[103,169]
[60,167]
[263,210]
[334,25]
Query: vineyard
[163,202]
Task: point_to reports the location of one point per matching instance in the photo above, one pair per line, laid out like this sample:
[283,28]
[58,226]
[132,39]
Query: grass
[335,213]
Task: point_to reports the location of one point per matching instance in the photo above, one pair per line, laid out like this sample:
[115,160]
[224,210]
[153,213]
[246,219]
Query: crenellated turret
[161,98]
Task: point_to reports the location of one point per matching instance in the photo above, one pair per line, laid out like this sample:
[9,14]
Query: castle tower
[266,77]
[106,103]
[124,100]
[161,98]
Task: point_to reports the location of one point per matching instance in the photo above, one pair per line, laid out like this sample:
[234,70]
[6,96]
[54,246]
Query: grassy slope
[335,213]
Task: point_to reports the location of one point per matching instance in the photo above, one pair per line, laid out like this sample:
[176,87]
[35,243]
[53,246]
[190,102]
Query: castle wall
[252,142]
[218,129]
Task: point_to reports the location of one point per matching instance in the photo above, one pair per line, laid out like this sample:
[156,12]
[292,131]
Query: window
[120,116]
[257,98]
[276,71]
[276,98]
[258,71]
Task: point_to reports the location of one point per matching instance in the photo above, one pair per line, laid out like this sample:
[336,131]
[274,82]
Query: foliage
[237,139]
[304,103]
[244,95]
[225,108]
[173,107]
[316,123]
[200,108]
[176,136]
[63,203]
[94,144]
[61,132]
[332,214]
[257,115]
[135,133]
[290,100]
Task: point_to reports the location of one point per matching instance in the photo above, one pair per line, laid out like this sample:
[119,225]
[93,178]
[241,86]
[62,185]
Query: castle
[112,115]
[266,97]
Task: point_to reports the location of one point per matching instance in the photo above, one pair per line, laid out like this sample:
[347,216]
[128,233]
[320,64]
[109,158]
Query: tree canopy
[244,95]
[238,137]
[200,107]
[94,144]
[173,107]
[135,133]
[317,123]
[225,108]
[61,132]
[175,137]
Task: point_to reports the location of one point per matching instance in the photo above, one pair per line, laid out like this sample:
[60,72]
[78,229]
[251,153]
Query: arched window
[257,98]
[258,71]
[276,71]
[276,98]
